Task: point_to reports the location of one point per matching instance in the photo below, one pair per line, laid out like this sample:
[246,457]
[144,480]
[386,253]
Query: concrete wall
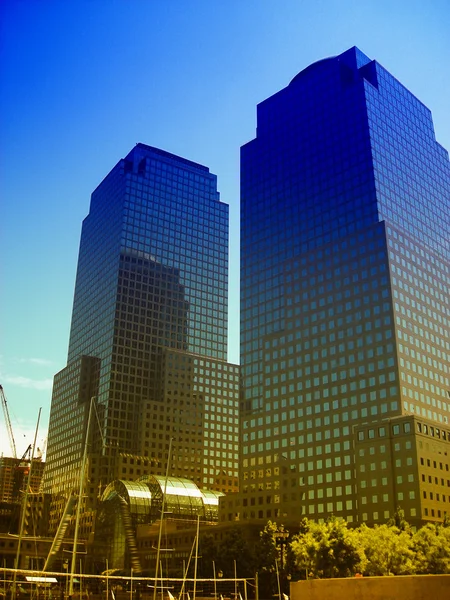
[408,587]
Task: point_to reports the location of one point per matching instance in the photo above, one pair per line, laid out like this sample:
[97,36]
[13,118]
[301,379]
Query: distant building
[148,339]
[345,302]
[14,474]
[14,478]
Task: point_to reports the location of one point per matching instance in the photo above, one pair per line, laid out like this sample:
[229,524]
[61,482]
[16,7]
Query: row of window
[433,431]
[417,255]
[433,464]
[382,431]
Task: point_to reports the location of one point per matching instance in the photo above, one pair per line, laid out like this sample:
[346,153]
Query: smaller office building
[404,462]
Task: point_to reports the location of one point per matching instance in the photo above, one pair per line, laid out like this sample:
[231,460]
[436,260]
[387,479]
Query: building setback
[345,302]
[148,338]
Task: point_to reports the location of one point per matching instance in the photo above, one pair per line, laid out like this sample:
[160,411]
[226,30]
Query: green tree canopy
[398,520]
[234,549]
[208,552]
[271,558]
[328,549]
[266,551]
[431,546]
[388,550]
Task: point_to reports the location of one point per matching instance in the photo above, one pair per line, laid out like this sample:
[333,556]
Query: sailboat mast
[163,503]
[80,494]
[196,555]
[24,506]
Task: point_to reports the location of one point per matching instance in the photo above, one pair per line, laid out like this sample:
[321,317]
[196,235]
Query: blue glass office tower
[148,337]
[345,299]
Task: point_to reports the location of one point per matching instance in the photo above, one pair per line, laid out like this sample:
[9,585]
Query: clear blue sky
[83,81]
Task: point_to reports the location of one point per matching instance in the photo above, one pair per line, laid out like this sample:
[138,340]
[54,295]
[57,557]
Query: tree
[208,553]
[305,546]
[398,520]
[266,549]
[235,549]
[388,550]
[271,554]
[431,546]
[328,549]
[344,555]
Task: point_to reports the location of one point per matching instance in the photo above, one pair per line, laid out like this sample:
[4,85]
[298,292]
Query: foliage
[234,549]
[388,550]
[431,546]
[268,555]
[267,552]
[398,520]
[328,549]
[305,547]
[208,552]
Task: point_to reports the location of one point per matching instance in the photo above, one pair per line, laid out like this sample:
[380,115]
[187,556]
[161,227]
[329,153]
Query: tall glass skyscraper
[345,300]
[148,338]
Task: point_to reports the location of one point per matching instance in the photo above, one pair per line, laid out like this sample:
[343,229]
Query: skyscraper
[345,301]
[148,334]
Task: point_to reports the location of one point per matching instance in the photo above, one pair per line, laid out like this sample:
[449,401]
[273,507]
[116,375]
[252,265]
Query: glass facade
[345,299]
[152,278]
[128,504]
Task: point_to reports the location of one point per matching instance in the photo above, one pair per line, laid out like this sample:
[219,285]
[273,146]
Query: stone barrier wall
[408,587]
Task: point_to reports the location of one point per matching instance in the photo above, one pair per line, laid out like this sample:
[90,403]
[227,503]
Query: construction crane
[12,443]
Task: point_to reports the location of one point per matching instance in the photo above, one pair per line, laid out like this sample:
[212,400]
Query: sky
[83,81]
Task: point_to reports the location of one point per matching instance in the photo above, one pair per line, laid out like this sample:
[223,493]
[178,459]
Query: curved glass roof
[211,504]
[178,486]
[137,495]
[183,499]
[211,497]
